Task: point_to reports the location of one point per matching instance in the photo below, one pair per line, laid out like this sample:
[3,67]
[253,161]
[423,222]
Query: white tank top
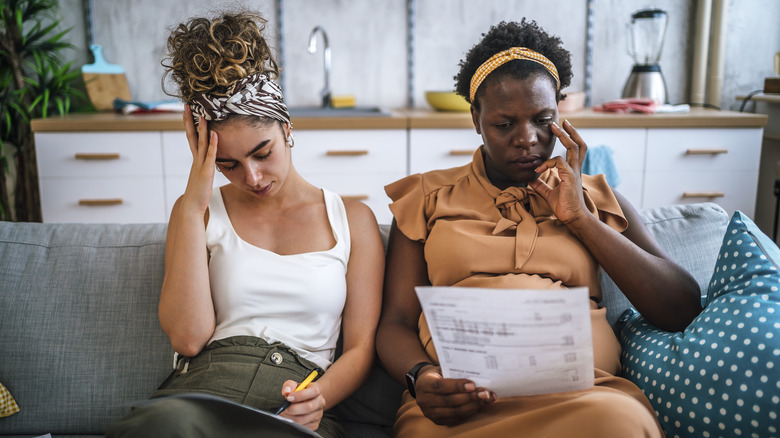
[295,299]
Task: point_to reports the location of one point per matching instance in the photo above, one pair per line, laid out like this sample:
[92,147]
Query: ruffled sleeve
[408,206]
[604,201]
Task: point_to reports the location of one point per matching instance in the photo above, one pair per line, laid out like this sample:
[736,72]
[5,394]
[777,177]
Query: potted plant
[35,82]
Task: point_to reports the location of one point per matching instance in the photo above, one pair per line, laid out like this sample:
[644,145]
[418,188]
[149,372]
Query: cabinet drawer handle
[354,197]
[706,151]
[100,202]
[91,156]
[355,153]
[703,194]
[456,152]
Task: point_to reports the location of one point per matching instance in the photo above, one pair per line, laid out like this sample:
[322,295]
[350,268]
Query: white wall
[368,42]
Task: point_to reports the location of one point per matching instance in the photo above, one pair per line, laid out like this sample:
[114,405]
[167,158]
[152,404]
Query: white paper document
[512,341]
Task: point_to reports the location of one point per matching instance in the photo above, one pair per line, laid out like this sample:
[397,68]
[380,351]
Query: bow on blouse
[520,208]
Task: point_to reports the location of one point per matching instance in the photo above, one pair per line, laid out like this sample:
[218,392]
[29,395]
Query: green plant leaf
[46,84]
[45,107]
[19,19]
[20,111]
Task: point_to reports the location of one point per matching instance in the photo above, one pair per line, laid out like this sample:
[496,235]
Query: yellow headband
[502,58]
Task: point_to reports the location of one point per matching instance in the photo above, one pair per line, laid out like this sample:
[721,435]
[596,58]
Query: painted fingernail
[566,122]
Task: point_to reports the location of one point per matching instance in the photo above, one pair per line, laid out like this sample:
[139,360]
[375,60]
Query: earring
[290,140]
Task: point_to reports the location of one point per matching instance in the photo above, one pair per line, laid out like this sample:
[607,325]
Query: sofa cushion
[690,234]
[78,317]
[721,375]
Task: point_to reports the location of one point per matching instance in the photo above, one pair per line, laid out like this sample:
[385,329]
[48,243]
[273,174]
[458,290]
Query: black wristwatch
[411,377]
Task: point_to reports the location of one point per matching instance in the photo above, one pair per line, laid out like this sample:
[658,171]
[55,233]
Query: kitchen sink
[338,112]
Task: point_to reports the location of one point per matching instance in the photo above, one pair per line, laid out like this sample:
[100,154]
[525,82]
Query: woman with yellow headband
[262,275]
[517,217]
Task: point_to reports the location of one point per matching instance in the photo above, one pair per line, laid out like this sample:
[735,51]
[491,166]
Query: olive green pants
[242,369]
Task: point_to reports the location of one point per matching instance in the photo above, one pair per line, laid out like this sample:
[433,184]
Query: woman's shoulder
[428,182]
[359,215]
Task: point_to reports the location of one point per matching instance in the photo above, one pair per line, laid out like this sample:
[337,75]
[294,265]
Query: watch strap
[411,377]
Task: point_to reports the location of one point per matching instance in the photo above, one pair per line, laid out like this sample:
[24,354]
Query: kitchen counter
[408,118]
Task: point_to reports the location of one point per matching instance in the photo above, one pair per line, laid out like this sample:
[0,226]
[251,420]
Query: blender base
[646,82]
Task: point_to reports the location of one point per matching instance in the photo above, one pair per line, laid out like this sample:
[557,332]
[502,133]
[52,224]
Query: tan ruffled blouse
[477,235]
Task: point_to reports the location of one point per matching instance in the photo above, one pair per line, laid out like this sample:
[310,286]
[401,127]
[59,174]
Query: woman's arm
[444,401]
[660,289]
[398,344]
[186,310]
[362,308]
[359,321]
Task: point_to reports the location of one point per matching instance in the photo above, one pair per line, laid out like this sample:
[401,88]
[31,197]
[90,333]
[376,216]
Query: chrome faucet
[325,93]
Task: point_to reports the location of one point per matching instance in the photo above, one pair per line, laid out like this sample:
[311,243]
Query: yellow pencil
[303,385]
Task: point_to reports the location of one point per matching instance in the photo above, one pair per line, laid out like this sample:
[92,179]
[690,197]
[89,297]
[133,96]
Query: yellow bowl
[446,101]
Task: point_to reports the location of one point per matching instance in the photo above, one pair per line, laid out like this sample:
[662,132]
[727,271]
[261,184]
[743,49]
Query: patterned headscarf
[502,58]
[254,95]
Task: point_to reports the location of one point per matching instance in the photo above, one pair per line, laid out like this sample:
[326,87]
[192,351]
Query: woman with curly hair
[517,217]
[262,275]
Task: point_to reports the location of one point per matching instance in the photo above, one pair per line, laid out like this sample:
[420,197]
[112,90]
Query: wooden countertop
[410,118]
[108,121]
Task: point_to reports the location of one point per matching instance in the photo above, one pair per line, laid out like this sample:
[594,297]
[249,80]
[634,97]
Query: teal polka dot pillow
[720,377]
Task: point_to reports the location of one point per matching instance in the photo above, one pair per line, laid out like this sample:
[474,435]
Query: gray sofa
[80,340]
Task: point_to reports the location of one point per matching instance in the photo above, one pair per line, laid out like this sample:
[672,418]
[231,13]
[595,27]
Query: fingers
[203,138]
[211,152]
[288,387]
[450,401]
[573,142]
[307,405]
[541,187]
[308,414]
[189,130]
[434,382]
[486,396]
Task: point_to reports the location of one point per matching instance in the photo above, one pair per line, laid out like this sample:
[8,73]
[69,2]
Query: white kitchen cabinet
[100,177]
[356,164]
[699,165]
[126,177]
[126,169]
[103,200]
[431,149]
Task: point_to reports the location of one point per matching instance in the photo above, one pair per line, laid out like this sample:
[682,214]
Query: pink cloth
[646,106]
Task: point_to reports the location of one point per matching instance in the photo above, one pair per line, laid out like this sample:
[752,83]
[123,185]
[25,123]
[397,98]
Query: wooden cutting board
[104,82]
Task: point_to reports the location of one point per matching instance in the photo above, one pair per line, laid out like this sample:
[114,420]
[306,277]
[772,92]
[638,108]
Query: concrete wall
[369,45]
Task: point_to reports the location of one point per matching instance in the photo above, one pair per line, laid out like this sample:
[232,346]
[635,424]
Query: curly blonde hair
[209,55]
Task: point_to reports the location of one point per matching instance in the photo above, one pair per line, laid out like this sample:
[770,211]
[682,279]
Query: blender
[646,38]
